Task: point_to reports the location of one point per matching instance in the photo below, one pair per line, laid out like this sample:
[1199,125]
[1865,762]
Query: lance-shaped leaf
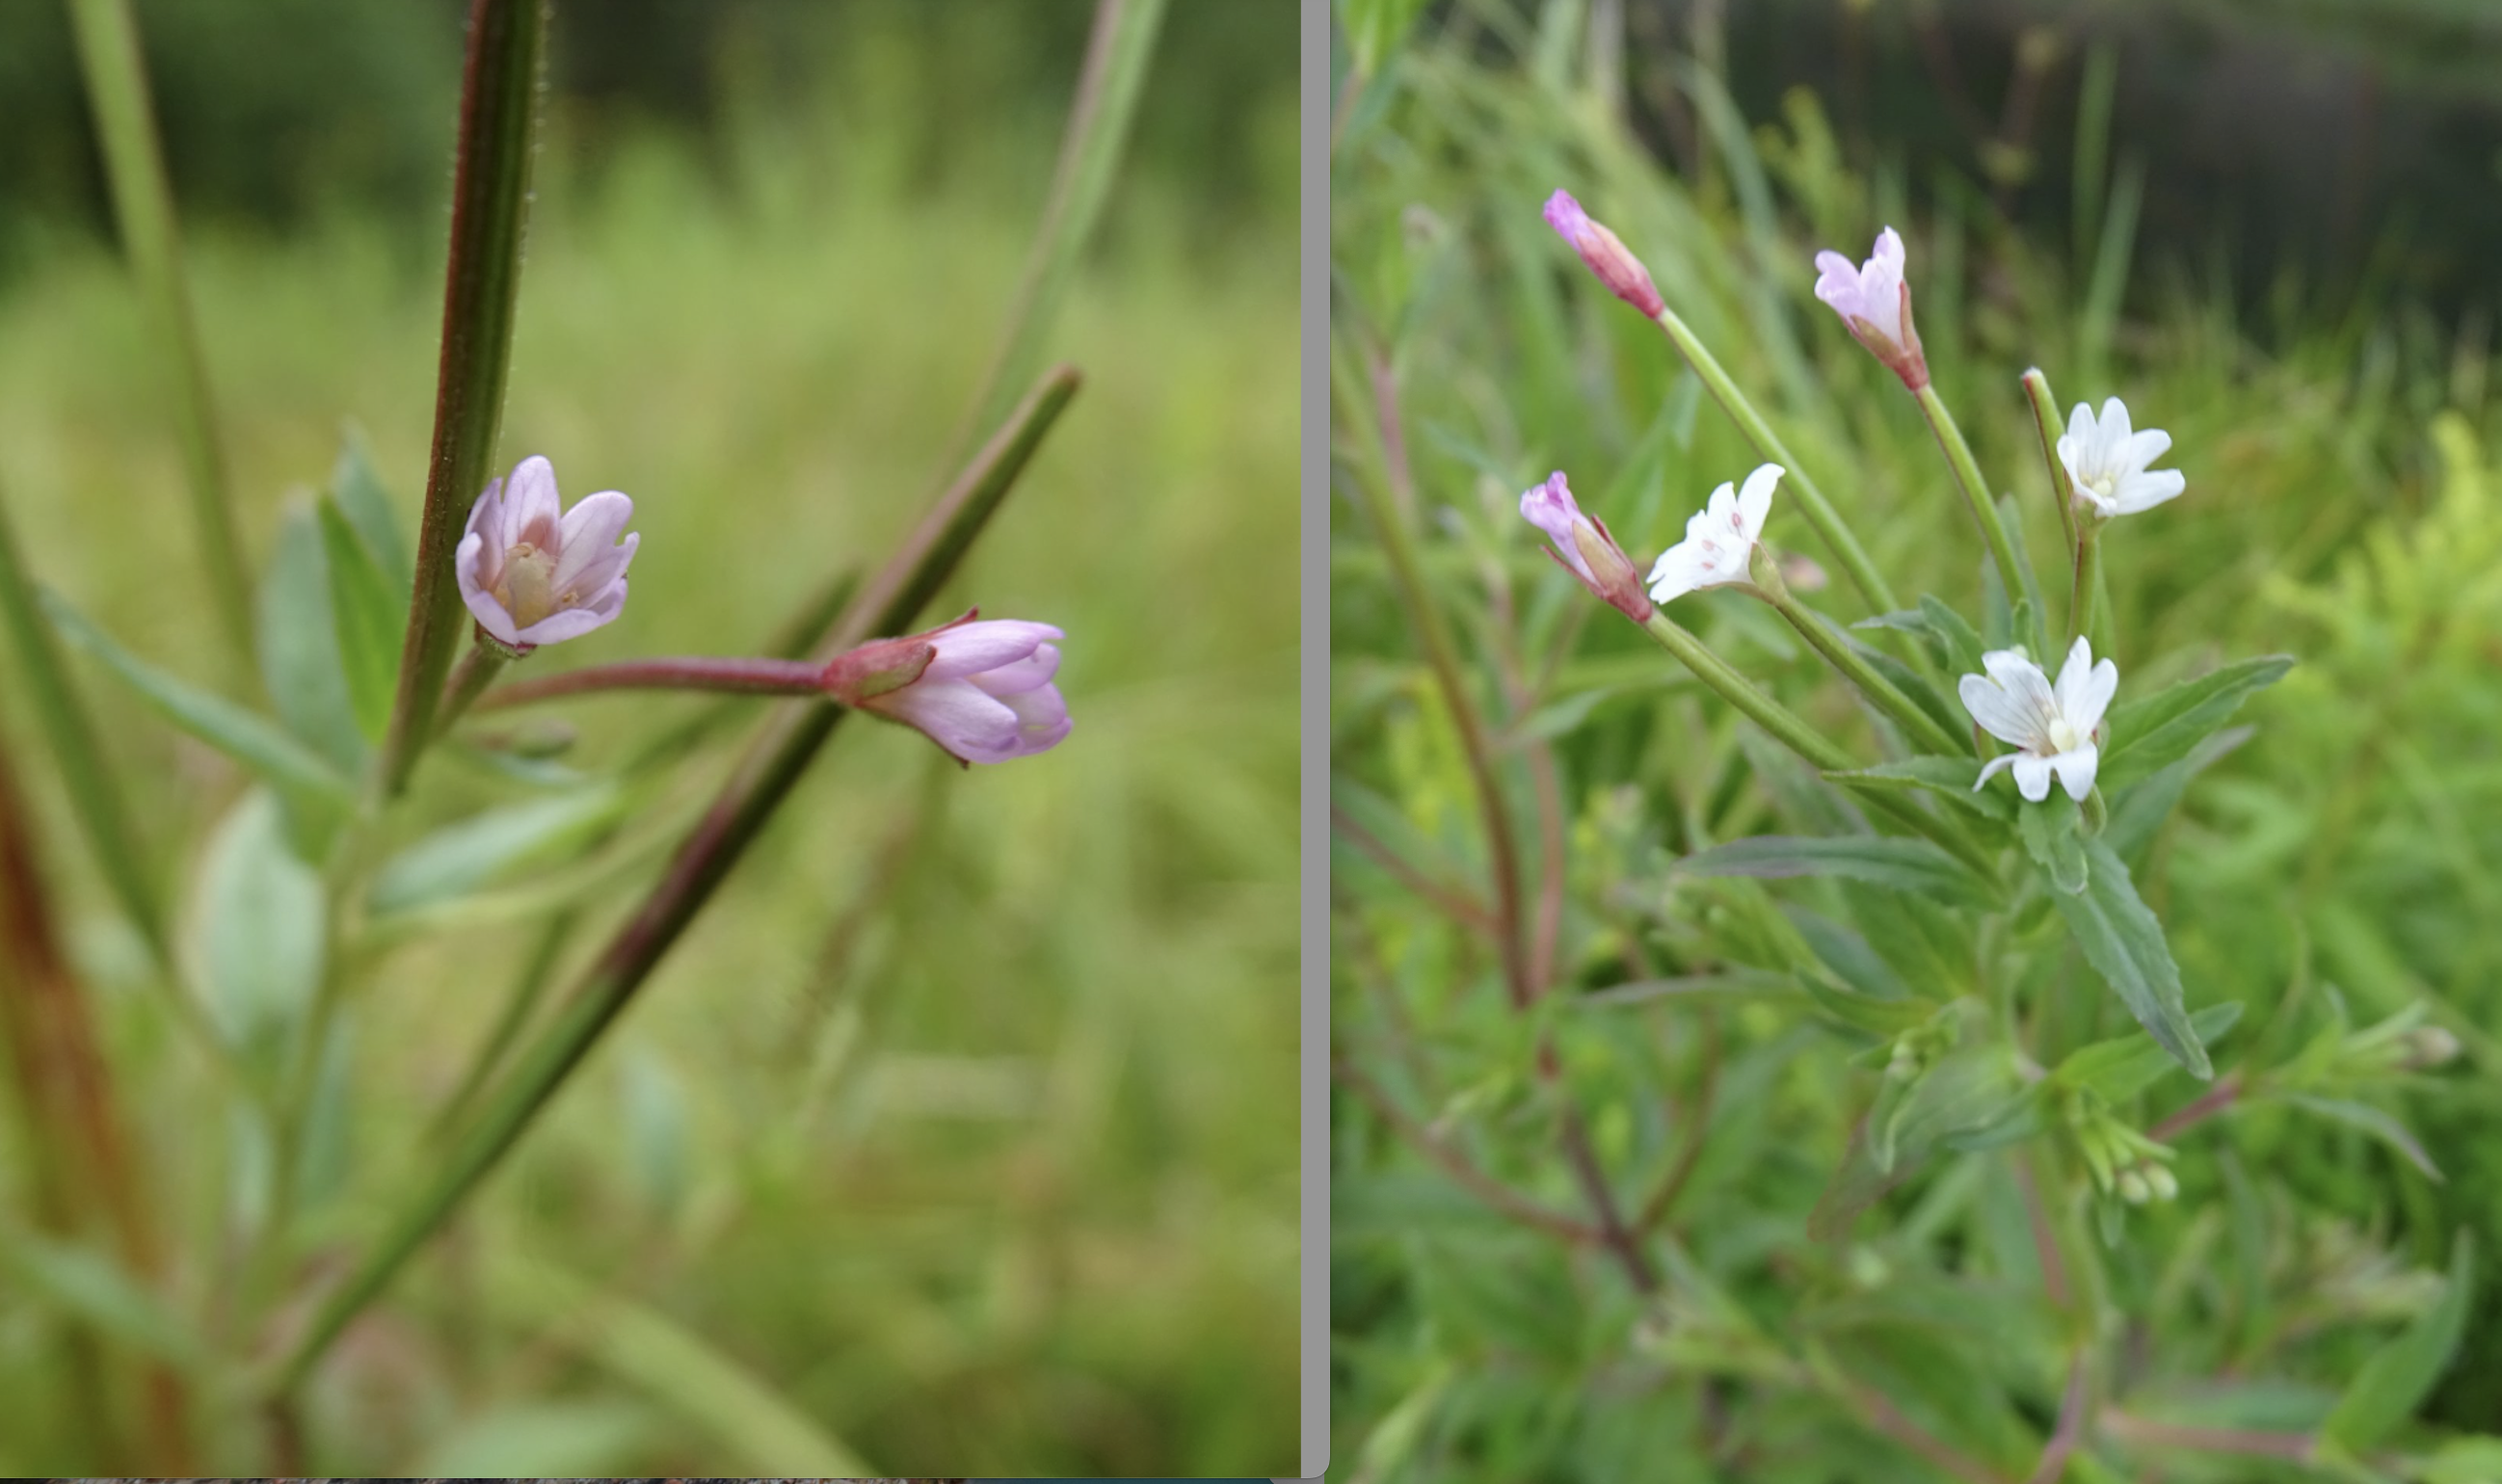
[2123,941]
[1947,778]
[299,645]
[2126,1066]
[370,617]
[247,738]
[2154,730]
[1884,861]
[2373,1121]
[2401,1373]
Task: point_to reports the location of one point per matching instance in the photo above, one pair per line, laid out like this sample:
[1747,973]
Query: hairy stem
[490,210]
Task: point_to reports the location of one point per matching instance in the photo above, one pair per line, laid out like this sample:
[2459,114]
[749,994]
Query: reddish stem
[744,677]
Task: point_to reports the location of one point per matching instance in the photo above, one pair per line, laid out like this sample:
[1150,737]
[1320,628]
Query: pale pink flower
[2057,730]
[981,690]
[1583,547]
[533,573]
[1622,272]
[1876,301]
[1720,539]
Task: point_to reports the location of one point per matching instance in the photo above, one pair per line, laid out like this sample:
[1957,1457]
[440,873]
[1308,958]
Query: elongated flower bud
[1616,267]
[1874,300]
[1583,548]
[982,690]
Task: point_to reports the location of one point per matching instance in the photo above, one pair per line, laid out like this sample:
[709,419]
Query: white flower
[2109,463]
[1876,302]
[1718,540]
[2056,731]
[533,572]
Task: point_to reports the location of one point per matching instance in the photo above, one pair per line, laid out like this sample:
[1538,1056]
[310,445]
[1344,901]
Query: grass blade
[1117,54]
[143,203]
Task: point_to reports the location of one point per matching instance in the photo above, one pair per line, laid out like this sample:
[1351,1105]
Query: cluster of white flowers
[2055,728]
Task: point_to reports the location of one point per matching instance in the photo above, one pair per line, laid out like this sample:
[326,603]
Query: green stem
[470,678]
[2013,575]
[1829,525]
[736,818]
[1793,732]
[490,210]
[143,203]
[1907,713]
[2045,420]
[2086,599]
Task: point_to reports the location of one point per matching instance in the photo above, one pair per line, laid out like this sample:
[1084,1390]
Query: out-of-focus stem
[1117,52]
[892,600]
[1441,656]
[691,672]
[1829,527]
[1889,699]
[143,203]
[2018,578]
[86,1173]
[489,210]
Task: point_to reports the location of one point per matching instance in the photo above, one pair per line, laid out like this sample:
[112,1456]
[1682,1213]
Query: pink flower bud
[1623,273]
[982,690]
[1583,548]
[1876,302]
[533,573]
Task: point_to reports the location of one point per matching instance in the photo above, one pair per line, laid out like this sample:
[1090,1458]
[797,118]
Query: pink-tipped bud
[1583,548]
[982,690]
[1874,300]
[1617,268]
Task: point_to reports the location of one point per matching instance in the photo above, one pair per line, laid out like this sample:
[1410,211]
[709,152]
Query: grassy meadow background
[957,1136]
[2329,393]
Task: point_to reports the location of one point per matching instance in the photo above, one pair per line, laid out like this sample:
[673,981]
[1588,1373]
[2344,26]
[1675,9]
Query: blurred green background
[958,1136]
[2321,358]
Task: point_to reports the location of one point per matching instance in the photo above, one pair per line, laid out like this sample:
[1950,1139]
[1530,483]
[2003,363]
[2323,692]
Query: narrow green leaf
[366,503]
[1948,778]
[2125,943]
[2161,729]
[2401,1373]
[1883,1017]
[2372,1121]
[2140,809]
[1912,683]
[2126,1066]
[94,794]
[92,1286]
[369,620]
[299,645]
[540,1440]
[240,734]
[679,1369]
[1884,861]
[462,857]
[2050,838]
